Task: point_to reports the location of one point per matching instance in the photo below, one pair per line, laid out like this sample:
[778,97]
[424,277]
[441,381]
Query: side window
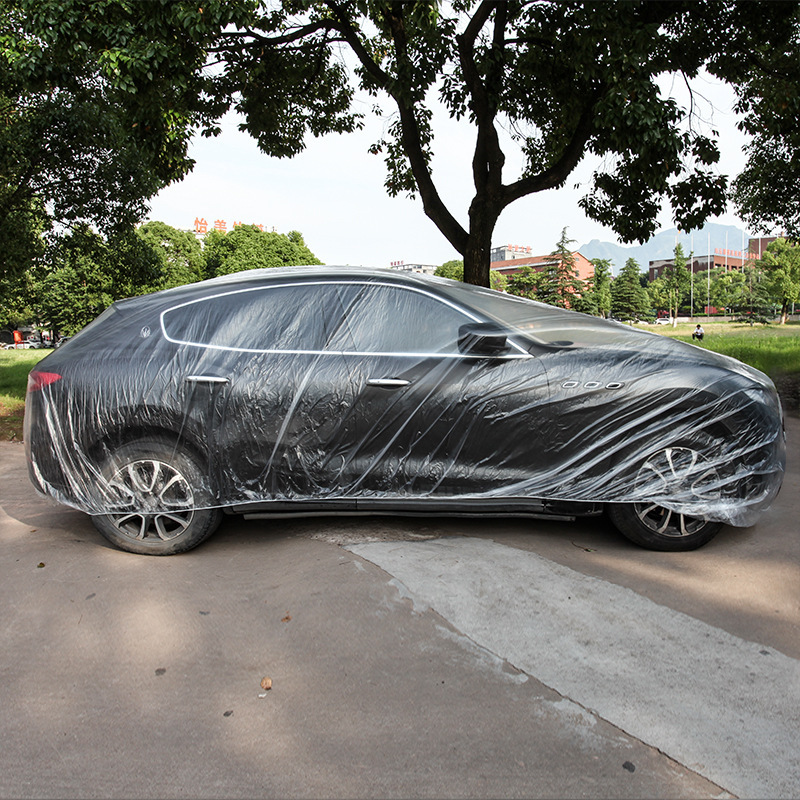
[290,317]
[394,319]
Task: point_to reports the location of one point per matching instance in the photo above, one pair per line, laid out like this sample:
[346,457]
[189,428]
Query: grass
[14,368]
[774,349]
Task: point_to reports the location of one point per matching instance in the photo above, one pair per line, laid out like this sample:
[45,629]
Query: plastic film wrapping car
[333,389]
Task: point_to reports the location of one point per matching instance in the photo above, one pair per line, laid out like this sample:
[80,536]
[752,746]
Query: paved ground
[408,658]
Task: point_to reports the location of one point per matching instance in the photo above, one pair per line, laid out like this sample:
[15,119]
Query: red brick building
[510,266]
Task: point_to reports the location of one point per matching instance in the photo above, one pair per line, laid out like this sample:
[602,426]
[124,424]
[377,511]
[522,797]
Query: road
[408,658]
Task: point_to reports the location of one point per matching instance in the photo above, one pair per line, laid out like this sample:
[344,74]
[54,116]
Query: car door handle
[388,383]
[205,379]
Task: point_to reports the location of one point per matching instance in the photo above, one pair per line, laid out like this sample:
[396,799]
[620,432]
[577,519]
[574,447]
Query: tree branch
[556,174]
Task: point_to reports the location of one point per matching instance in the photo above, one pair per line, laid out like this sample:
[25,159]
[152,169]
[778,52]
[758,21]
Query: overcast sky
[333,193]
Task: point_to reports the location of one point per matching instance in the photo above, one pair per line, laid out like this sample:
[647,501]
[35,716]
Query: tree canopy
[73,148]
[629,299]
[82,272]
[550,82]
[248,247]
[781,262]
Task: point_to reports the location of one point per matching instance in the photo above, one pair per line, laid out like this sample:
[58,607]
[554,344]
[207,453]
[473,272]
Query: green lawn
[774,349]
[14,368]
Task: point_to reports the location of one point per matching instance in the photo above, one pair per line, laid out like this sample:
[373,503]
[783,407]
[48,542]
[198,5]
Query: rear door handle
[388,383]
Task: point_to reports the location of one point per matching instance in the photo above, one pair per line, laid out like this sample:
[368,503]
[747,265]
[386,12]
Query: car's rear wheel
[154,490]
[682,473]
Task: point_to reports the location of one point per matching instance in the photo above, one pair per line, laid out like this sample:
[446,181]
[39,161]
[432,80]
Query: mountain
[703,242]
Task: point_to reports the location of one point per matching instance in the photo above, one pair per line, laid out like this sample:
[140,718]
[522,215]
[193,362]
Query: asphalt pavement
[405,658]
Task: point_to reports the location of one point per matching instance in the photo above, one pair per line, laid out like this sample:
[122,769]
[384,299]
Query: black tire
[658,528]
[154,488]
[680,471]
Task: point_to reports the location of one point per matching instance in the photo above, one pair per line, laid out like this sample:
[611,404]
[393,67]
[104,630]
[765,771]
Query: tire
[683,471]
[153,488]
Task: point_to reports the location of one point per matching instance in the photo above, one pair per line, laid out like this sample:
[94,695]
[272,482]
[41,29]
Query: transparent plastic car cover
[347,386]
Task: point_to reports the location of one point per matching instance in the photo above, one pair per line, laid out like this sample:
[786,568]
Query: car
[316,390]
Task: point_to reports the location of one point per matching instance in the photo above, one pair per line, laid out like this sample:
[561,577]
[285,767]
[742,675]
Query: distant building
[425,269]
[509,252]
[510,266]
[756,247]
[721,259]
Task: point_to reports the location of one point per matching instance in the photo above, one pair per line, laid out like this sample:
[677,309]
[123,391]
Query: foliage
[454,270]
[180,259]
[566,79]
[527,282]
[629,299]
[15,300]
[781,262]
[600,288]
[82,273]
[248,247]
[768,89]
[672,287]
[744,291]
[566,285]
[22,229]
[74,147]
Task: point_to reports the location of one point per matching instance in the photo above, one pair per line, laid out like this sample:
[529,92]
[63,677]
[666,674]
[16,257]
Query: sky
[333,192]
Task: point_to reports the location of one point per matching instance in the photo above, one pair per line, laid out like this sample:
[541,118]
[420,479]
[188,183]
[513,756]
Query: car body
[332,389]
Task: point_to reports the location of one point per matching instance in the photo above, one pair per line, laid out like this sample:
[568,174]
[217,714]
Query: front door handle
[388,383]
[205,379]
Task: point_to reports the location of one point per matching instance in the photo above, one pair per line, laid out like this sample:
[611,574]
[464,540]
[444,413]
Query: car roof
[257,277]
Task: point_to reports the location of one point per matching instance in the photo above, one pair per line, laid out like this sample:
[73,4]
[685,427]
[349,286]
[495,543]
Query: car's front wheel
[658,528]
[153,493]
[680,472]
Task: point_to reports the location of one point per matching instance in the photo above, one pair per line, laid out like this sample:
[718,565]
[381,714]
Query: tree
[529,282]
[781,263]
[564,274]
[676,282]
[454,270]
[566,80]
[766,81]
[73,148]
[22,229]
[179,255]
[248,247]
[601,286]
[629,300]
[82,273]
[451,269]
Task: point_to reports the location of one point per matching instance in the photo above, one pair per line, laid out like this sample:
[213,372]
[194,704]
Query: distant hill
[662,245]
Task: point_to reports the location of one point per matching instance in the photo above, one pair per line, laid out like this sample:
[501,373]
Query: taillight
[38,380]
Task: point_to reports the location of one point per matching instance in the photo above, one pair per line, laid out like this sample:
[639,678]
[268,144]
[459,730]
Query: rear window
[286,317]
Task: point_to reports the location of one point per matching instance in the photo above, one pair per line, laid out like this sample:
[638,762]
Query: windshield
[545,325]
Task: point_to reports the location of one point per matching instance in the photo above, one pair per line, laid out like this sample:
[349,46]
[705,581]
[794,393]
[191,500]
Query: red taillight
[38,380]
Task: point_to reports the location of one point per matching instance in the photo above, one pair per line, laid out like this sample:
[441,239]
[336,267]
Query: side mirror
[482,338]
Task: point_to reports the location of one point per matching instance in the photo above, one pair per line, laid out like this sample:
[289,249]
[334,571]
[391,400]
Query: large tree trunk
[482,220]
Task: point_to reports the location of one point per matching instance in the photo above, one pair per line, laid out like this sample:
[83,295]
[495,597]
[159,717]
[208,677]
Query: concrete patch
[722,706]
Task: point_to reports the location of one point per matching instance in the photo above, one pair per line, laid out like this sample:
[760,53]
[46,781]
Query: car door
[425,416]
[270,393]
